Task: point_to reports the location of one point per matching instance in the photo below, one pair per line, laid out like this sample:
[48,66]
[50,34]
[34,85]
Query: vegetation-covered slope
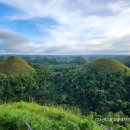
[105,66]
[12,117]
[15,65]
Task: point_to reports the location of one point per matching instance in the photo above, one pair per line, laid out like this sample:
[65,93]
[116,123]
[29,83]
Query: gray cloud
[11,42]
[116,45]
[122,42]
[56,49]
[8,35]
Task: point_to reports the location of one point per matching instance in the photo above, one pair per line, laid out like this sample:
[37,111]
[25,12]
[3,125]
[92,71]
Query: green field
[12,117]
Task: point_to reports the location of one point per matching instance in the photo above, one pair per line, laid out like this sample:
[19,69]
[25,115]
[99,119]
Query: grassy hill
[15,65]
[12,117]
[105,66]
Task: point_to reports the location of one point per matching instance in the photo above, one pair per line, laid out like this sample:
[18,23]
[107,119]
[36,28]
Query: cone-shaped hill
[14,66]
[105,66]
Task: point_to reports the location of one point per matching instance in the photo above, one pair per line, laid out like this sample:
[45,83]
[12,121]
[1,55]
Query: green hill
[13,117]
[15,66]
[105,65]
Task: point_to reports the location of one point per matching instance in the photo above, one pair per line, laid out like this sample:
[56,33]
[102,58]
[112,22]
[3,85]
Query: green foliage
[127,63]
[116,121]
[65,85]
[68,85]
[91,92]
[12,117]
[79,60]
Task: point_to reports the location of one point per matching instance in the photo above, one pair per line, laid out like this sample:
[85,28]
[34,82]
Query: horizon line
[42,54]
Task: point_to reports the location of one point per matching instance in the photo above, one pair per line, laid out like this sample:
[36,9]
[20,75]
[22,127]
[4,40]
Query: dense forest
[72,85]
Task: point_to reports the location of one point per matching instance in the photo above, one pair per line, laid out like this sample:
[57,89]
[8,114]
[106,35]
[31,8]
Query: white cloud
[83,26]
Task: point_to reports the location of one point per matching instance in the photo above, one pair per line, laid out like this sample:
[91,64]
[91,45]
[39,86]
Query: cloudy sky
[65,26]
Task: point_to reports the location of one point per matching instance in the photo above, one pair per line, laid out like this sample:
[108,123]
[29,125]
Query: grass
[105,66]
[12,117]
[14,66]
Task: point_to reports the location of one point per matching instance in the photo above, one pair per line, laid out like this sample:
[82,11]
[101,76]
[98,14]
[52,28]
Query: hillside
[105,66]
[15,65]
[13,117]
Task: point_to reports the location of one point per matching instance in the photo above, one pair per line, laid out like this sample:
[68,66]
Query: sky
[76,27]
